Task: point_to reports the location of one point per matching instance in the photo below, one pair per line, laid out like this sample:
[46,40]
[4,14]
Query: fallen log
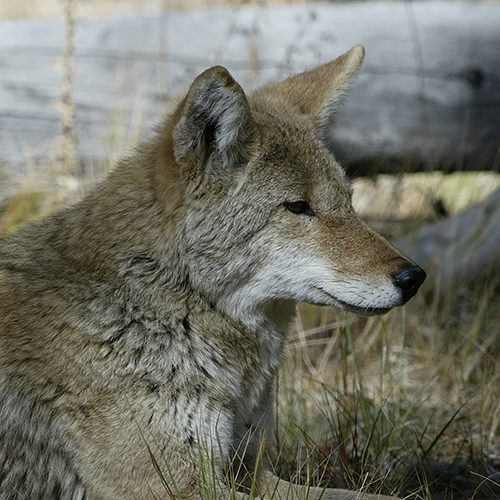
[428,95]
[459,251]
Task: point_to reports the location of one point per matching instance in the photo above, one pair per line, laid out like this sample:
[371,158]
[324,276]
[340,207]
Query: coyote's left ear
[316,94]
[215,119]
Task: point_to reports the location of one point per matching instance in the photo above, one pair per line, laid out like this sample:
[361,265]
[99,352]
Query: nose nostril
[409,280]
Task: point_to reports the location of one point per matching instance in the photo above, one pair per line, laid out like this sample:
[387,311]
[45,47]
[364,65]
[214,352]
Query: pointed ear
[316,94]
[215,118]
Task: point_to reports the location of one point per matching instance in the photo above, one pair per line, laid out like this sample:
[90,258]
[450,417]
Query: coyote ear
[215,117]
[316,94]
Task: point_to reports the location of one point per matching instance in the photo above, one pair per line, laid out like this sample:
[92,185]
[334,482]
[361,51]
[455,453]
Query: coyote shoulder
[142,328]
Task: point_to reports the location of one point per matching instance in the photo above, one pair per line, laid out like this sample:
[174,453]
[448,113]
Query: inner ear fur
[316,94]
[215,118]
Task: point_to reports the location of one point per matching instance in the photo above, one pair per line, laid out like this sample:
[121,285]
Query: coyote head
[267,213]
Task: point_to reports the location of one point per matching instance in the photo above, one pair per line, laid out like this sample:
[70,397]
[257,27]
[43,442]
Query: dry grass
[408,402]
[426,195]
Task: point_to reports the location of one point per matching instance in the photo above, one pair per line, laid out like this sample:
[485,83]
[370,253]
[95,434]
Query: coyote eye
[300,207]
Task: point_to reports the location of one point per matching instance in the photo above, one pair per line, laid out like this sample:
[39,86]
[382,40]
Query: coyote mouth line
[365,311]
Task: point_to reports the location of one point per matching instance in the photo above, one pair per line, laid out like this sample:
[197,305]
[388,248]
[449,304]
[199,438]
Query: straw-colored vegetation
[407,403]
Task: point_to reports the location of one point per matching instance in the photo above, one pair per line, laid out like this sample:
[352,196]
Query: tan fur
[141,329]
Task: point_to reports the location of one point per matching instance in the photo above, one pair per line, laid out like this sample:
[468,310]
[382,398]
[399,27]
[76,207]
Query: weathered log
[428,93]
[459,251]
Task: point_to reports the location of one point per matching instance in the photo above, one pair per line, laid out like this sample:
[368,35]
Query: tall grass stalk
[66,155]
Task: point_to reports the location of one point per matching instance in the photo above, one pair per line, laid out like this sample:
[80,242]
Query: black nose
[409,280]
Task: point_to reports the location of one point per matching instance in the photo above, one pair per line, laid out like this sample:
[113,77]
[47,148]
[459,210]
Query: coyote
[142,328]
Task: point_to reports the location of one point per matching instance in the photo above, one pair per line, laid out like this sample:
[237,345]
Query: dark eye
[300,207]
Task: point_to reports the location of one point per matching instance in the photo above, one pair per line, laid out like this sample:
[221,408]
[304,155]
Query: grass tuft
[404,404]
